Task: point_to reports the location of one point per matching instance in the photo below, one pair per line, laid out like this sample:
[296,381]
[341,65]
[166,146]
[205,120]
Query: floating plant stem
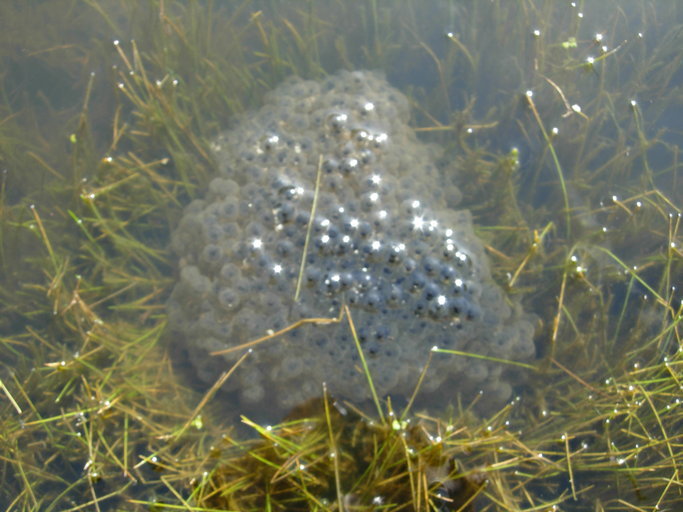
[284,330]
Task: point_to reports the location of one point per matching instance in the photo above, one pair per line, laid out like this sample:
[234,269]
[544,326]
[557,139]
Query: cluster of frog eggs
[382,240]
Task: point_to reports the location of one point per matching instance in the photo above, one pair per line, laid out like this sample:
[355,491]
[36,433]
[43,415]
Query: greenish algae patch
[569,159]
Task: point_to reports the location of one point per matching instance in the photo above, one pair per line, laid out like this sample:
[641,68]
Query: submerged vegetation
[564,121]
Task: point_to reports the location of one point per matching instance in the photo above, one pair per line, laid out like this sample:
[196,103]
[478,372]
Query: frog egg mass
[331,172]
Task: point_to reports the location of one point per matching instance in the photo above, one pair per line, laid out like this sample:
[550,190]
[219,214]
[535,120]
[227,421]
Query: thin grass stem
[311,220]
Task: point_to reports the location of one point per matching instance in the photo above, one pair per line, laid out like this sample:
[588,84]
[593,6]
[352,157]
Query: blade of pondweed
[270,434]
[44,237]
[157,505]
[484,357]
[418,385]
[534,247]
[633,273]
[364,363]
[334,452]
[10,397]
[556,161]
[210,394]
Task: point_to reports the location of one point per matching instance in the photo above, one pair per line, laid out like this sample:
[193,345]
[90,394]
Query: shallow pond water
[545,139]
